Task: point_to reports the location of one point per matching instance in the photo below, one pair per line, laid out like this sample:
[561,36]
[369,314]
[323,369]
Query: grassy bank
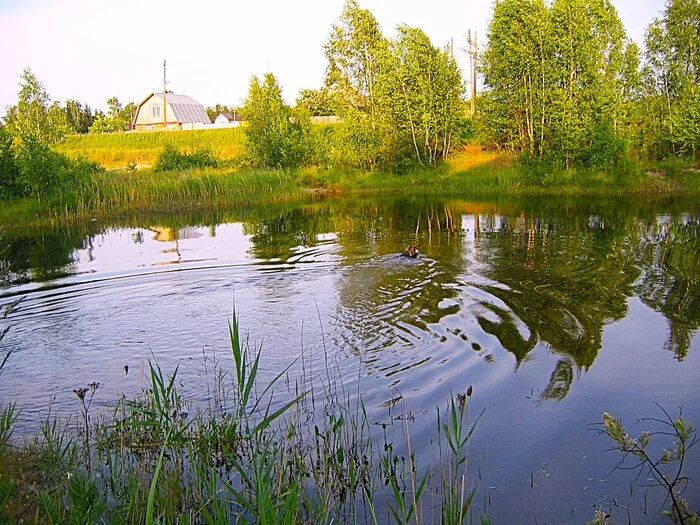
[472,171]
[118,193]
[246,457]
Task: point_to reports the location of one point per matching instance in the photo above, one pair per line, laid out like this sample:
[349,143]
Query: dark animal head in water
[410,251]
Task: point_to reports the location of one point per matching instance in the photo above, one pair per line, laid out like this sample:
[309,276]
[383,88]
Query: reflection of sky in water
[552,320]
[116,251]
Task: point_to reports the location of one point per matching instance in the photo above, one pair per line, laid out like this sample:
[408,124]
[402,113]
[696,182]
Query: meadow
[118,150]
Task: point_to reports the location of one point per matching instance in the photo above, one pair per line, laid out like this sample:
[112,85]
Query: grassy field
[117,150]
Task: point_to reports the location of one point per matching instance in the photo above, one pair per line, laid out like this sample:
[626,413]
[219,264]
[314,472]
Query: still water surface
[553,311]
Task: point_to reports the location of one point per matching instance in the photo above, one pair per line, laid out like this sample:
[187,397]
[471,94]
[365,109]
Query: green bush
[465,129]
[31,168]
[277,137]
[172,159]
[8,166]
[606,147]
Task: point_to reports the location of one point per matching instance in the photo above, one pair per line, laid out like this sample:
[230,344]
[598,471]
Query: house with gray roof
[169,111]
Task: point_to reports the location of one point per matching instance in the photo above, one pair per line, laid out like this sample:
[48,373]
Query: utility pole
[474,66]
[471,51]
[165,107]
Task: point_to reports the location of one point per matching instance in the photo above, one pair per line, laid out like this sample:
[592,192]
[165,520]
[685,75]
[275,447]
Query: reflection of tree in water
[560,282]
[561,379]
[42,255]
[669,254]
[276,237]
[388,301]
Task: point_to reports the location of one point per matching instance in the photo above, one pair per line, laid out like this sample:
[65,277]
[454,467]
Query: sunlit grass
[118,150]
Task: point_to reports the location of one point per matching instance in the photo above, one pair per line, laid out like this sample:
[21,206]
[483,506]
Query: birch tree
[673,72]
[35,117]
[517,72]
[276,136]
[554,80]
[422,91]
[398,98]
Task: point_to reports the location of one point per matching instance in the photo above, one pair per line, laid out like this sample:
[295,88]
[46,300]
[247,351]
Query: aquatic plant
[666,471]
[249,456]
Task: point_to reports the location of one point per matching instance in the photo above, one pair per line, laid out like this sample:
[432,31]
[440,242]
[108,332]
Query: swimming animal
[410,251]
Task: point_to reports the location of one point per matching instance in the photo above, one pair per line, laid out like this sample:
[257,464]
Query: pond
[553,311]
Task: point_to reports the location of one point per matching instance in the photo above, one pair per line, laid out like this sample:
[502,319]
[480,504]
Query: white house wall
[145,116]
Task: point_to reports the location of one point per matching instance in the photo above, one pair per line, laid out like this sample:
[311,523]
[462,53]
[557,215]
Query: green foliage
[8,416]
[456,431]
[118,118]
[277,136]
[564,85]
[40,171]
[399,99]
[557,81]
[86,503]
[9,170]
[666,470]
[606,148]
[80,117]
[318,102]
[172,159]
[28,165]
[35,117]
[420,92]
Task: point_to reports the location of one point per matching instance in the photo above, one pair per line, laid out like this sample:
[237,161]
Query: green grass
[120,193]
[117,150]
[502,176]
[291,451]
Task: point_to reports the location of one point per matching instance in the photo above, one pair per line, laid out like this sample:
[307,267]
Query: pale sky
[90,50]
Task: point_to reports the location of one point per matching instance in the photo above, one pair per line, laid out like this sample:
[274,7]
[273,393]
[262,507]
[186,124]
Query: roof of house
[186,109]
[231,117]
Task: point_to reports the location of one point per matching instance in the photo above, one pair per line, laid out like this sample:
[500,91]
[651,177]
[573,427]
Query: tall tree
[356,51]
[35,117]
[517,67]
[589,41]
[398,99]
[277,137]
[80,117]
[118,117]
[554,78]
[422,95]
[673,70]
[318,102]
